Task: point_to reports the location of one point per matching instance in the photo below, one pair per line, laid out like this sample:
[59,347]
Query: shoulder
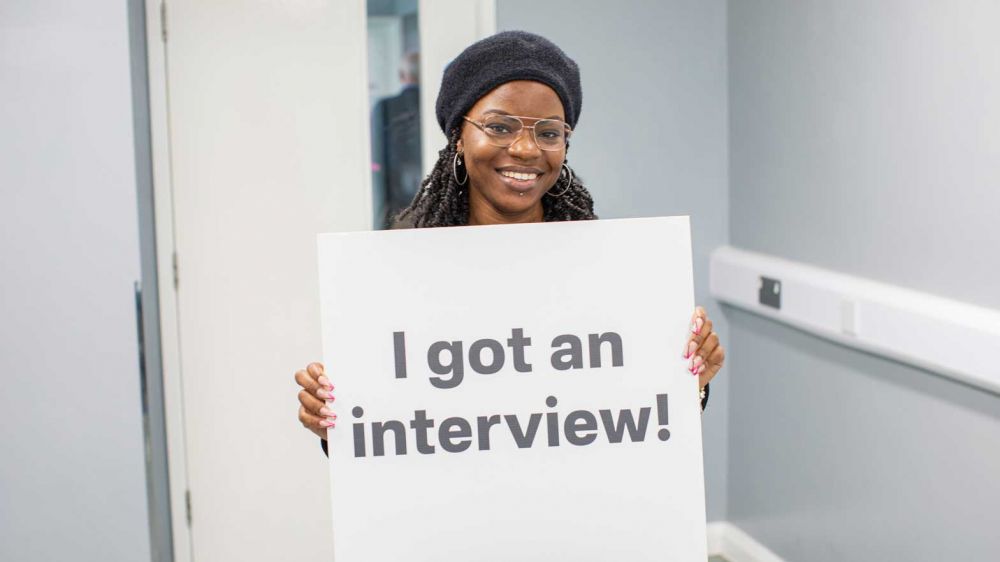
[400,224]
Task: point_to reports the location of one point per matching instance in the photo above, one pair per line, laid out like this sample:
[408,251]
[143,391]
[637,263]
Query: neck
[482,212]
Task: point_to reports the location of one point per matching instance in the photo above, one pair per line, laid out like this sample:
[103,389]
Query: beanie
[501,58]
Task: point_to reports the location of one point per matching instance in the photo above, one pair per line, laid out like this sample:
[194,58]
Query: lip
[519,185]
[519,169]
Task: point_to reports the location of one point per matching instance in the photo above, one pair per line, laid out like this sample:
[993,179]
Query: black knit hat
[501,58]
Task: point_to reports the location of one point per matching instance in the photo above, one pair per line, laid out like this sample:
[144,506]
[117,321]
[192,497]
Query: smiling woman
[508,105]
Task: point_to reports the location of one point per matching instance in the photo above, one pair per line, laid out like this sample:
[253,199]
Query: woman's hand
[315,400]
[704,354]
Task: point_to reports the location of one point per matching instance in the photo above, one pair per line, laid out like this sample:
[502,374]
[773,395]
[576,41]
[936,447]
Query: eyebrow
[502,112]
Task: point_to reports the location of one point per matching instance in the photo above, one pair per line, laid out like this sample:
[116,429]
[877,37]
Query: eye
[497,129]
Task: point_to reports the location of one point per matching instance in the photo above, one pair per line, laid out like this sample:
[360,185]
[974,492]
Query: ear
[459,146]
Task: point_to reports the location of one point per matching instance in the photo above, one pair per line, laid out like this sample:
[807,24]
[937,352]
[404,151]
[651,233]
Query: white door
[268,140]
[265,135]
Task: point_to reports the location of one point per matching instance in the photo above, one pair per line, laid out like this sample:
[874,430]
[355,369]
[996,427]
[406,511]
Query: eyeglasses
[504,130]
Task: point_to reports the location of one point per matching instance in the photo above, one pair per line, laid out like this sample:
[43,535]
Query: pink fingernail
[692,346]
[698,323]
[696,361]
[326,423]
[325,412]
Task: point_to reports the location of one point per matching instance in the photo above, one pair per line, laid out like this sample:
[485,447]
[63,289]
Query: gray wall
[72,480]
[652,136]
[865,138]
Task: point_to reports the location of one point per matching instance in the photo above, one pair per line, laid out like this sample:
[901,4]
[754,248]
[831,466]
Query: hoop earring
[454,171]
[564,175]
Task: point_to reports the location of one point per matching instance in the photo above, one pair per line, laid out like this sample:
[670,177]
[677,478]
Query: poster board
[513,392]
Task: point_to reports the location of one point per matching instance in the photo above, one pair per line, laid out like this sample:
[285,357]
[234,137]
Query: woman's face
[494,196]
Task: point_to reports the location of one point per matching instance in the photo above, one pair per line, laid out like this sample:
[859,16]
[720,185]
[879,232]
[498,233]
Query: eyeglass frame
[481,125]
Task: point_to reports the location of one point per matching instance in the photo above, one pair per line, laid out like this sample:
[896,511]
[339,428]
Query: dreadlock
[441,201]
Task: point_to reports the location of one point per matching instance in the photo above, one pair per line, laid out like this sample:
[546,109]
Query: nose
[524,147]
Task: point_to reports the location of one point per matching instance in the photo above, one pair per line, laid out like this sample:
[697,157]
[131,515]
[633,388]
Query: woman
[508,105]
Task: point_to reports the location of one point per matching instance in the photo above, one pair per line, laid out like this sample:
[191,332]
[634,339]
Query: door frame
[173,404]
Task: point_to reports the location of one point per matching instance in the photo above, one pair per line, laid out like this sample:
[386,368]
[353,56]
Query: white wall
[865,138]
[72,480]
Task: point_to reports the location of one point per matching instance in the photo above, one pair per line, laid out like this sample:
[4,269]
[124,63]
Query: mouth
[519,179]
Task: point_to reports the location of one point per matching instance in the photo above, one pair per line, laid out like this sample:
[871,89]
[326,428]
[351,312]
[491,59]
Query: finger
[695,340]
[316,408]
[315,424]
[712,366]
[318,384]
[702,354]
[315,369]
[318,372]
[698,319]
[311,403]
[708,345]
[325,382]
[306,381]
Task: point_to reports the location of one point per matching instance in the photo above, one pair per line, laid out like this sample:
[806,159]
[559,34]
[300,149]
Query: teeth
[518,175]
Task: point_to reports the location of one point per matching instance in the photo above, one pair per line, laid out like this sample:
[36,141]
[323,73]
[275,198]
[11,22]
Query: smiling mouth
[523,176]
[519,181]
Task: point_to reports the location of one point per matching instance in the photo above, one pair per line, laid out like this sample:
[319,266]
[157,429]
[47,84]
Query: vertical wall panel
[72,479]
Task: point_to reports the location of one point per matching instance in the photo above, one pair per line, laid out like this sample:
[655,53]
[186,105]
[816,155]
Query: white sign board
[513,393]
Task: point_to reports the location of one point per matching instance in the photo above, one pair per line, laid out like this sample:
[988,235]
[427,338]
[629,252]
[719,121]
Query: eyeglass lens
[550,134]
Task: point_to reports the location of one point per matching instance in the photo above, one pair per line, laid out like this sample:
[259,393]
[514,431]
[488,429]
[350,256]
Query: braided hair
[441,201]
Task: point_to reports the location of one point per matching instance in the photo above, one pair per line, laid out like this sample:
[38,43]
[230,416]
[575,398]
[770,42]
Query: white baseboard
[730,542]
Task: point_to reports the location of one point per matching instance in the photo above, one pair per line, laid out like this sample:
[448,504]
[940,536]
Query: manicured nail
[696,362]
[324,394]
[326,423]
[325,382]
[692,347]
[326,412]
[702,368]
[697,324]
